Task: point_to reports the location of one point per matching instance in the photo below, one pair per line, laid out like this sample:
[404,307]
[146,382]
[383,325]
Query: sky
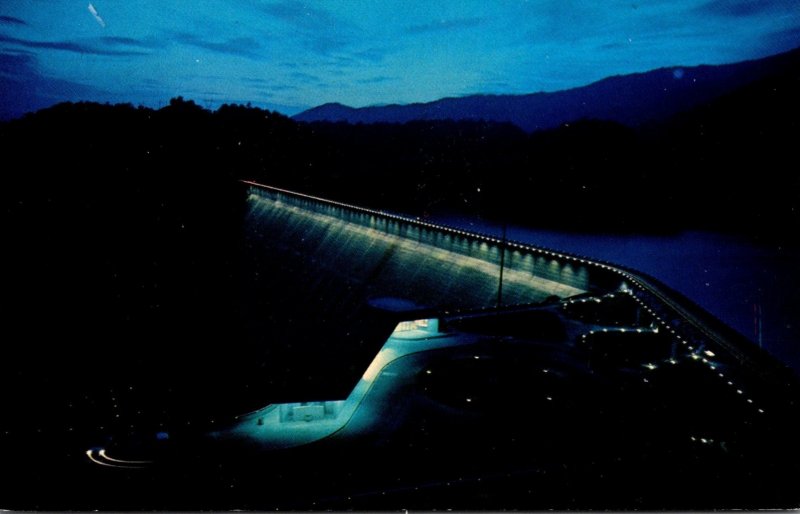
[292,55]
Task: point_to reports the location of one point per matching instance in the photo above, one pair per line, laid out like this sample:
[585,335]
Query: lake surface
[753,288]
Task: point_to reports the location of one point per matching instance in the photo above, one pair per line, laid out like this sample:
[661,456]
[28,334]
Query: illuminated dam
[380,254]
[333,280]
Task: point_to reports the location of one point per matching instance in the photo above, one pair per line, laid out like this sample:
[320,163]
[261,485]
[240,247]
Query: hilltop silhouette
[631,100]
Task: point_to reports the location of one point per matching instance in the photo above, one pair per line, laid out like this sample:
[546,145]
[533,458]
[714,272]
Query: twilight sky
[291,55]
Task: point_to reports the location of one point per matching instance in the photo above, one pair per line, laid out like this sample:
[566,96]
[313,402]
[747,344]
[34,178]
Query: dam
[331,281]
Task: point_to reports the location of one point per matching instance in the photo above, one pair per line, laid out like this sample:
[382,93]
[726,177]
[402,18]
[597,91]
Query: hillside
[631,100]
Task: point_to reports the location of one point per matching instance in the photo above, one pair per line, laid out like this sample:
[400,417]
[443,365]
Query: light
[709,353]
[384,357]
[105,460]
[650,366]
[103,454]
[90,454]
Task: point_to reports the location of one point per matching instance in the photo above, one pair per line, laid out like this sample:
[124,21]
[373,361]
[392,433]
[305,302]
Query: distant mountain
[628,99]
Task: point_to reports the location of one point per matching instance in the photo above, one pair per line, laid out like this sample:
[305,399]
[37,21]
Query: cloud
[304,77]
[300,14]
[23,88]
[614,45]
[266,84]
[494,85]
[745,8]
[784,38]
[320,31]
[444,25]
[280,87]
[327,43]
[13,63]
[67,46]
[372,55]
[150,84]
[376,80]
[256,81]
[128,41]
[239,46]
[10,20]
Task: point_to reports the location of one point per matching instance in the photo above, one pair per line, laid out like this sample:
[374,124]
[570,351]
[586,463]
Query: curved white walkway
[293,424]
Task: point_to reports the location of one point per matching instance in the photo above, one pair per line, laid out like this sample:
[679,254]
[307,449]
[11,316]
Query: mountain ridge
[632,99]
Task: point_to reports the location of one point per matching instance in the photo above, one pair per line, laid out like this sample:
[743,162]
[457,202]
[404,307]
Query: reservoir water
[753,288]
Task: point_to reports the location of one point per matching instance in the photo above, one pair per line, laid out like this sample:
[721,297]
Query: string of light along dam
[634,279]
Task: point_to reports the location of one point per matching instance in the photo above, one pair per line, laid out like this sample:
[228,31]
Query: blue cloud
[305,77]
[299,14]
[23,88]
[785,37]
[131,42]
[319,30]
[10,20]
[281,87]
[239,46]
[257,81]
[376,80]
[14,63]
[327,43]
[371,55]
[745,8]
[67,46]
[444,25]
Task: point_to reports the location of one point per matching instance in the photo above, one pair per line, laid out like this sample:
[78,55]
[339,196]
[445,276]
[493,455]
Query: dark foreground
[540,408]
[126,285]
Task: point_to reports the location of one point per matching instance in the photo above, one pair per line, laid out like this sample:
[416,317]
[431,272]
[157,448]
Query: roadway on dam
[353,254]
[328,283]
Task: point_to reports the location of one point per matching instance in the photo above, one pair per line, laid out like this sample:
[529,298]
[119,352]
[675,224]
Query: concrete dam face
[325,282]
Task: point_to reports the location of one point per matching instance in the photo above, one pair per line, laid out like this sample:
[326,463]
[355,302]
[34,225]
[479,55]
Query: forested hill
[632,100]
